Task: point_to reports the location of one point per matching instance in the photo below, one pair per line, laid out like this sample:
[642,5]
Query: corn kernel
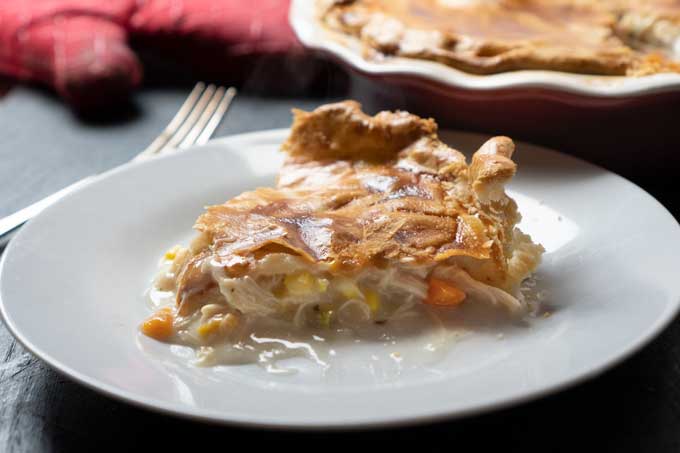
[299,283]
[372,300]
[218,322]
[171,254]
[209,327]
[303,283]
[321,285]
[325,316]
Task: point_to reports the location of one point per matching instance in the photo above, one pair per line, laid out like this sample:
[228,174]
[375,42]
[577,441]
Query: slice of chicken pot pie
[371,216]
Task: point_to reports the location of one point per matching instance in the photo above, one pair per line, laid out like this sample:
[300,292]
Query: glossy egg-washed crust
[605,37]
[358,191]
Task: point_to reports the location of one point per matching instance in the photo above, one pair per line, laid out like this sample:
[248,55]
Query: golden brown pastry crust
[358,191]
[491,36]
[653,28]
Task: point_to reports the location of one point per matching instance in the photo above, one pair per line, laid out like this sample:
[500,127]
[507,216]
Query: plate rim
[222,418]
[302,17]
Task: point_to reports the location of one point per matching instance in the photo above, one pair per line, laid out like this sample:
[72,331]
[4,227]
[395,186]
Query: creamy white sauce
[415,335]
[419,337]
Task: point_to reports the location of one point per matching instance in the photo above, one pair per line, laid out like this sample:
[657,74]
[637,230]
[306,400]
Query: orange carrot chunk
[443,293]
[159,325]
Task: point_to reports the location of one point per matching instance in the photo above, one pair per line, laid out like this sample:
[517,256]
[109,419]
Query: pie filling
[373,221]
[606,37]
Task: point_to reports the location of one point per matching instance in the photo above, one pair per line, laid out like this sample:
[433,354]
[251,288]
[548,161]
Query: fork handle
[10,224]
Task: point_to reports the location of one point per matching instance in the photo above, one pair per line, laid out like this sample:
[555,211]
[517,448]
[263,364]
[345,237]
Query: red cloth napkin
[78,46]
[81,47]
[240,27]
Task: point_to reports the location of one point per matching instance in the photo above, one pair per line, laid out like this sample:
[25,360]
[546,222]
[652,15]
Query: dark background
[634,407]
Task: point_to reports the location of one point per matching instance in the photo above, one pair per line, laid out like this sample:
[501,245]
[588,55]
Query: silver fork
[193,124]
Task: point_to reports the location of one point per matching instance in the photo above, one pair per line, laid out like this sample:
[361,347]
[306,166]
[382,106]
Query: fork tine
[195,122]
[215,119]
[176,121]
[184,129]
[198,127]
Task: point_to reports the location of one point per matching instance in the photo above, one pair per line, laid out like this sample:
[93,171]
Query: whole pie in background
[604,37]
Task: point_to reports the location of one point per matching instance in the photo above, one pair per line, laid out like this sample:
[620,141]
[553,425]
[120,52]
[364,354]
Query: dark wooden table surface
[635,407]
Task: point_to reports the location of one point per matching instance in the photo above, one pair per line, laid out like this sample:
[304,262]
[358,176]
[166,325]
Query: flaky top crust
[606,37]
[359,191]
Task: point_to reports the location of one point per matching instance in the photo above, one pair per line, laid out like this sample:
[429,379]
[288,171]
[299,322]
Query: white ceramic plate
[72,285]
[303,18]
